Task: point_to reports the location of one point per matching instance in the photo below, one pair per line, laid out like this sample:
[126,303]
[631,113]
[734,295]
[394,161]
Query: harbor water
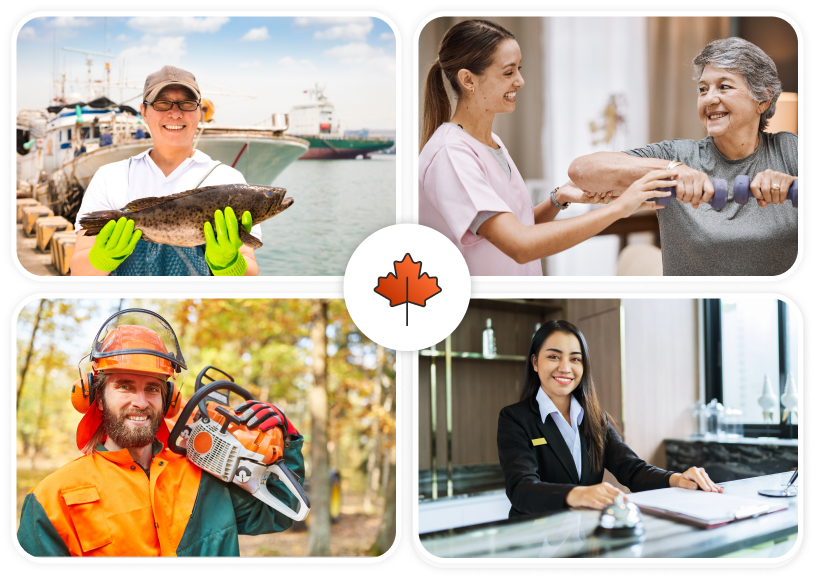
[337,204]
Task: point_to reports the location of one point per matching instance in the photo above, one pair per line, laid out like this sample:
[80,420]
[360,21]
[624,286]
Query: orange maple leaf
[399,289]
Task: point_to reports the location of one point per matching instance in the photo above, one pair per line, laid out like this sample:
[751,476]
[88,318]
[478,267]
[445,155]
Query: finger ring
[775,186]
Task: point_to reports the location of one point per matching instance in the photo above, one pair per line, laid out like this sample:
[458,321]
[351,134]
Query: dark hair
[594,421]
[744,58]
[470,45]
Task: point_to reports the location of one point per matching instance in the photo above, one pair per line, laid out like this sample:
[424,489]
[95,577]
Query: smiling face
[559,364]
[173,129]
[725,105]
[132,406]
[496,89]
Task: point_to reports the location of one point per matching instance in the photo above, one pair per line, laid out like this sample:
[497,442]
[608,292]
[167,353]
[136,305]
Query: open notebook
[705,510]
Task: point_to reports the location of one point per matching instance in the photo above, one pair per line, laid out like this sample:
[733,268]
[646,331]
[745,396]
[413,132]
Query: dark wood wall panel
[480,388]
[599,321]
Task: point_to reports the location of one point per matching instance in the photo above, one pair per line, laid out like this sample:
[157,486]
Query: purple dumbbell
[743,192]
[718,198]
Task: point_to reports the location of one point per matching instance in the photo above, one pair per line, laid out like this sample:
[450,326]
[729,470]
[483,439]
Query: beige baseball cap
[169,75]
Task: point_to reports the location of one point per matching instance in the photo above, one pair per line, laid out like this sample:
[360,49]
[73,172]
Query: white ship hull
[260,158]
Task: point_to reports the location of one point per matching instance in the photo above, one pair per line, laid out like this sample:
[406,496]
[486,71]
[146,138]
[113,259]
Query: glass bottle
[489,346]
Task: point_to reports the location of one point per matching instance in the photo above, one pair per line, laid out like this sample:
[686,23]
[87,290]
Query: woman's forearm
[527,243]
[610,171]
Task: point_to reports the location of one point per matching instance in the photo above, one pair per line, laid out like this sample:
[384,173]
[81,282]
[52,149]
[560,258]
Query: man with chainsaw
[129,494]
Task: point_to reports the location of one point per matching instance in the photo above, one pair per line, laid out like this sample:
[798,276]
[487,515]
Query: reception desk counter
[569,533]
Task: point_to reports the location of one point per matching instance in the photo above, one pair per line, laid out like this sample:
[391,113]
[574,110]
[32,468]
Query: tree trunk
[387,528]
[37,437]
[24,369]
[375,444]
[319,521]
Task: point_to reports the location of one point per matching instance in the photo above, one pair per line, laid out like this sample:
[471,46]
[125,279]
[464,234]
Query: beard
[126,435]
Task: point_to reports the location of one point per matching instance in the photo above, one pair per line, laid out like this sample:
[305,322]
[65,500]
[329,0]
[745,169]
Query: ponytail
[437,108]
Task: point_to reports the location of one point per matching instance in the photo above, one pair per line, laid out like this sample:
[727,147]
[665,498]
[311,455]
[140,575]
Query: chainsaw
[221,444]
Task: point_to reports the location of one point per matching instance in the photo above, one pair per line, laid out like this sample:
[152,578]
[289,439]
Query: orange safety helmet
[133,341]
[118,353]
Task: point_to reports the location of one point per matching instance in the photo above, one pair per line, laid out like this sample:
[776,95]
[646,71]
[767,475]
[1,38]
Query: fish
[179,219]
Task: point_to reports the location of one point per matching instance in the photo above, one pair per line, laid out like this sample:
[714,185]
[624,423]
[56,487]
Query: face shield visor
[137,341]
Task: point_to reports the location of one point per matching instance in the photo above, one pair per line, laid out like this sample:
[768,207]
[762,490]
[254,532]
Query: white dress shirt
[569,432]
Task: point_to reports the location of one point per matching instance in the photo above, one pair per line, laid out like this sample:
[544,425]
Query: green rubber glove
[223,252]
[114,243]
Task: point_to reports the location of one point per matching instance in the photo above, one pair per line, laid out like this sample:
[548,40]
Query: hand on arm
[616,171]
[763,182]
[611,171]
[527,243]
[104,252]
[693,478]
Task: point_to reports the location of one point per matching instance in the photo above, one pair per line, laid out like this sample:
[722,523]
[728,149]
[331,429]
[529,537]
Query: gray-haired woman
[738,90]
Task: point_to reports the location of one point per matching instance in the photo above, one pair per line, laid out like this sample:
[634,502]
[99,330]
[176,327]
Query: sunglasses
[163,106]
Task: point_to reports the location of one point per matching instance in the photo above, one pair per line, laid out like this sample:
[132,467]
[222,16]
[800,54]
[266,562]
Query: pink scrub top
[457,178]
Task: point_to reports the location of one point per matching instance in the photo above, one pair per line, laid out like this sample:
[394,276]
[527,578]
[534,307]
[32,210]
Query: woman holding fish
[470,190]
[171,195]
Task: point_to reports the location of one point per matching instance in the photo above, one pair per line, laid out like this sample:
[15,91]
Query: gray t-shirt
[739,239]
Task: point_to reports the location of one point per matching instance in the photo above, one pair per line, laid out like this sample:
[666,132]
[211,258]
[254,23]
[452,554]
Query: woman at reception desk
[555,444]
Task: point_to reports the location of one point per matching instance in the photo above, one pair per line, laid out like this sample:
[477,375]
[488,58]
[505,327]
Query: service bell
[621,519]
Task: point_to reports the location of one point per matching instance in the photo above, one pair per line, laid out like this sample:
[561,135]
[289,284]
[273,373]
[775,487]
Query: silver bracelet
[554,200]
[674,164]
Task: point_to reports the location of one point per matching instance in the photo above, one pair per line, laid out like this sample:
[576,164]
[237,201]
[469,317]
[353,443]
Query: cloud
[344,32]
[256,34]
[154,52]
[27,33]
[292,62]
[306,21]
[348,28]
[387,36]
[361,53]
[185,24]
[70,22]
[252,64]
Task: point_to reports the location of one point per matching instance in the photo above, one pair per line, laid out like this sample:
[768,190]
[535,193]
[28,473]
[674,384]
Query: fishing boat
[316,122]
[80,137]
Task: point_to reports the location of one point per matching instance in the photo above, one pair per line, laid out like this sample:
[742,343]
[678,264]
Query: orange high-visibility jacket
[104,504]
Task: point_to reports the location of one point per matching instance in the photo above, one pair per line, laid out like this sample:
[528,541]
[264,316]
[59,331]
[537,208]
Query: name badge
[538,441]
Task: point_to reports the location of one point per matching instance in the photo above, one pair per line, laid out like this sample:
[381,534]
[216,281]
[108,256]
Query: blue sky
[274,59]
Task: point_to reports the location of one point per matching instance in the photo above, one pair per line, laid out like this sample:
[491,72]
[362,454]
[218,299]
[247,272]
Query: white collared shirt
[116,184]
[569,432]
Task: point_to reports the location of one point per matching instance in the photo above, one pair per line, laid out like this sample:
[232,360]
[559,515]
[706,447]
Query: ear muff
[172,400]
[82,393]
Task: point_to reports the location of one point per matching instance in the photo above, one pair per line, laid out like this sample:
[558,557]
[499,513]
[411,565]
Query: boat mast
[89,62]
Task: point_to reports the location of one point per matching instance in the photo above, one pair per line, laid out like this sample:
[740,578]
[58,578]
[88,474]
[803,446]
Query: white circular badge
[407,287]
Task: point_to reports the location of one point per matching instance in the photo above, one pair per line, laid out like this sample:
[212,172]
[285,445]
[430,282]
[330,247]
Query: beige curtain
[521,130]
[672,44]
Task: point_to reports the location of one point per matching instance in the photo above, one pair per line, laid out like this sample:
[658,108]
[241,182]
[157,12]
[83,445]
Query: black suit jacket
[538,477]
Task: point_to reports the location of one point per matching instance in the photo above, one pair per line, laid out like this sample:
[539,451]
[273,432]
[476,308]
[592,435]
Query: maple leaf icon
[408,286]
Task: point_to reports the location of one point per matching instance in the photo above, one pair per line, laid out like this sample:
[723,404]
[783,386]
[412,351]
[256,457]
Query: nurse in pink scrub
[470,189]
